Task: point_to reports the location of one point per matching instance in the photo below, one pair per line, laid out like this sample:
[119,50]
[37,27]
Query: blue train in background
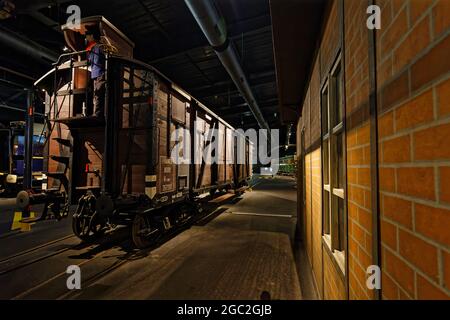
[12,159]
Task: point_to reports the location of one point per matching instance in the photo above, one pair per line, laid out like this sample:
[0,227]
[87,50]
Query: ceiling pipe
[26,46]
[214,28]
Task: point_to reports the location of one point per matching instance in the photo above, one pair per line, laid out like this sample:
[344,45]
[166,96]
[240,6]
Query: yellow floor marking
[24,227]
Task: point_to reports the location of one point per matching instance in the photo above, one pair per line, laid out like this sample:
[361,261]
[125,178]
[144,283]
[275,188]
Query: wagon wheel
[86,223]
[143,231]
[80,227]
[87,227]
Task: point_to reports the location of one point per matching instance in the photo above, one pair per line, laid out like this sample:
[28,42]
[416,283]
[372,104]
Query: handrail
[69,54]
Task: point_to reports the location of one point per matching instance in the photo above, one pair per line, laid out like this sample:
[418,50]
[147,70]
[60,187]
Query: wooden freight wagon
[118,168]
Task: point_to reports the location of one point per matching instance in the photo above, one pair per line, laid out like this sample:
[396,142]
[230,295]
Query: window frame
[334,217]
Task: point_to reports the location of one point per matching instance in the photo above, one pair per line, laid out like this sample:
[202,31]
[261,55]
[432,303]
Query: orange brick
[352,175]
[386,16]
[417,182]
[352,246]
[444,174]
[386,124]
[399,271]
[397,5]
[350,226]
[384,72]
[432,143]
[365,260]
[446,258]
[367,200]
[358,234]
[426,70]
[352,211]
[360,279]
[433,223]
[364,176]
[397,149]
[365,219]
[363,134]
[398,210]
[389,234]
[418,252]
[415,111]
[356,156]
[395,31]
[441,13]
[387,179]
[351,139]
[418,7]
[417,40]
[429,291]
[368,242]
[403,295]
[395,91]
[366,155]
[443,93]
[356,194]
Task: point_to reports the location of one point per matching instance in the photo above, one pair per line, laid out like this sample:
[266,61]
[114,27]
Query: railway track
[31,251]
[51,288]
[97,260]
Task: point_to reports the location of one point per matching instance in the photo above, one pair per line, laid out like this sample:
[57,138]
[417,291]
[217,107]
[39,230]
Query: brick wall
[308,208]
[334,288]
[414,158]
[413,81]
[358,148]
[328,283]
[316,202]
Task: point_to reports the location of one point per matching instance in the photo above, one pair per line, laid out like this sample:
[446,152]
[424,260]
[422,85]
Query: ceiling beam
[232,93]
[252,76]
[197,43]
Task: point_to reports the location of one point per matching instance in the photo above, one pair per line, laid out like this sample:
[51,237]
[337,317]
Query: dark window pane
[341,224]
[325,126]
[326,159]
[337,216]
[340,161]
[326,212]
[338,107]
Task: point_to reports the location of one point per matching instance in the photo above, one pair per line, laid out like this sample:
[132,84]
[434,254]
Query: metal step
[57,175]
[62,141]
[63,159]
[75,64]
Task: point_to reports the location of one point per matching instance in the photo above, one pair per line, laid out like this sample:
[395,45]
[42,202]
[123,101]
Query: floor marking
[262,214]
[21,225]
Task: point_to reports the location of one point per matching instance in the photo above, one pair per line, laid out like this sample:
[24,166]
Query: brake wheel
[86,222]
[143,231]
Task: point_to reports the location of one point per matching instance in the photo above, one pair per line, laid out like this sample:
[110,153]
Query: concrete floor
[243,248]
[239,254]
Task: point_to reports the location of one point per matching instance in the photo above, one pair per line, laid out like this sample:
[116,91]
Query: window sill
[339,256]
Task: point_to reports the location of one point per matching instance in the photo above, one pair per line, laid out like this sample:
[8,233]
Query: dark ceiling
[166,36]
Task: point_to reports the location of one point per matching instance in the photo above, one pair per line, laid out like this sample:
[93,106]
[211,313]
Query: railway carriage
[118,169]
